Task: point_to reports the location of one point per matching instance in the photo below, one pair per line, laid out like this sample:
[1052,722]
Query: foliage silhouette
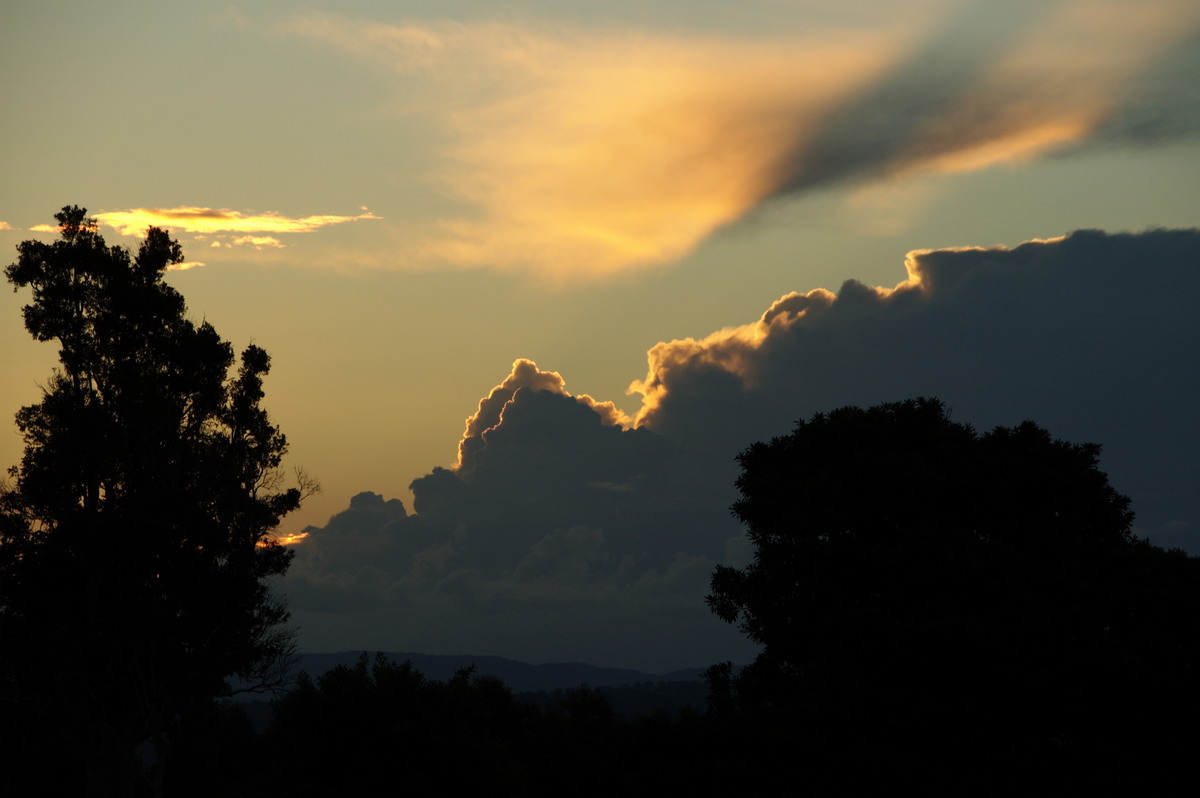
[948,605]
[380,727]
[135,542]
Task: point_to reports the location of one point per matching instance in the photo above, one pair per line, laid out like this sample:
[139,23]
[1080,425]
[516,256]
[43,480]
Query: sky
[532,274]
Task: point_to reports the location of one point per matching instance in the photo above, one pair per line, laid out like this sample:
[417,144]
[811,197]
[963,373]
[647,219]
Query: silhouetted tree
[135,541]
[943,604]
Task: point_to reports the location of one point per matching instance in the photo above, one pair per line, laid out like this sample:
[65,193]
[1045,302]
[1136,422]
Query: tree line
[935,607]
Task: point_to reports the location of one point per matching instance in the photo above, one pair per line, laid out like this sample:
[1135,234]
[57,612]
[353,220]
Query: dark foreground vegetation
[954,610]
[938,610]
[379,728]
[382,728]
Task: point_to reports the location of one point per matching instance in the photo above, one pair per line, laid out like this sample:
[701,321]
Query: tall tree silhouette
[951,604]
[135,542]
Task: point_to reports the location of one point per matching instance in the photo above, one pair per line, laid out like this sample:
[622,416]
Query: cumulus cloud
[588,153]
[220,220]
[565,534]
[525,374]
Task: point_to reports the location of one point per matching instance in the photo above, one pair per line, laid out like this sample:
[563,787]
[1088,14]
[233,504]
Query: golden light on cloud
[586,153]
[218,220]
[614,167]
[731,350]
[1024,144]
[589,154]
[259,241]
[1053,87]
[5,226]
[292,539]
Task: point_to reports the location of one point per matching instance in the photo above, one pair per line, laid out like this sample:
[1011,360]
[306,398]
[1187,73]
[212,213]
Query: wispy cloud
[594,153]
[220,220]
[5,225]
[588,153]
[258,242]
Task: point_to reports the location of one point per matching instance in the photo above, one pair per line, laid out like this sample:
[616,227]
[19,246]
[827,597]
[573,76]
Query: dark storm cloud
[565,535]
[1094,336]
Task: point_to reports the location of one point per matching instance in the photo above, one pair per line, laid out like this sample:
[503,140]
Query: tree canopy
[136,543]
[924,593]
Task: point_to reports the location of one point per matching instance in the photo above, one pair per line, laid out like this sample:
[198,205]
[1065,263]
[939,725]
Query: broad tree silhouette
[948,605]
[135,541]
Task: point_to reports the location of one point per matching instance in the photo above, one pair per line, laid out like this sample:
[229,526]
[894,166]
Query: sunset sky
[658,204]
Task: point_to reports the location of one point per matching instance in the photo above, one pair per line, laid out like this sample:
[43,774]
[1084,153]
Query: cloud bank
[559,536]
[566,532]
[587,153]
[1089,335]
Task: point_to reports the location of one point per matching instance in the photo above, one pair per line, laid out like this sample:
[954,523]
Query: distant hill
[521,677]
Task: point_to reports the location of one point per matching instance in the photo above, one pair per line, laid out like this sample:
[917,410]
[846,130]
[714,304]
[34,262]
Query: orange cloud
[214,220]
[592,153]
[5,226]
[631,154]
